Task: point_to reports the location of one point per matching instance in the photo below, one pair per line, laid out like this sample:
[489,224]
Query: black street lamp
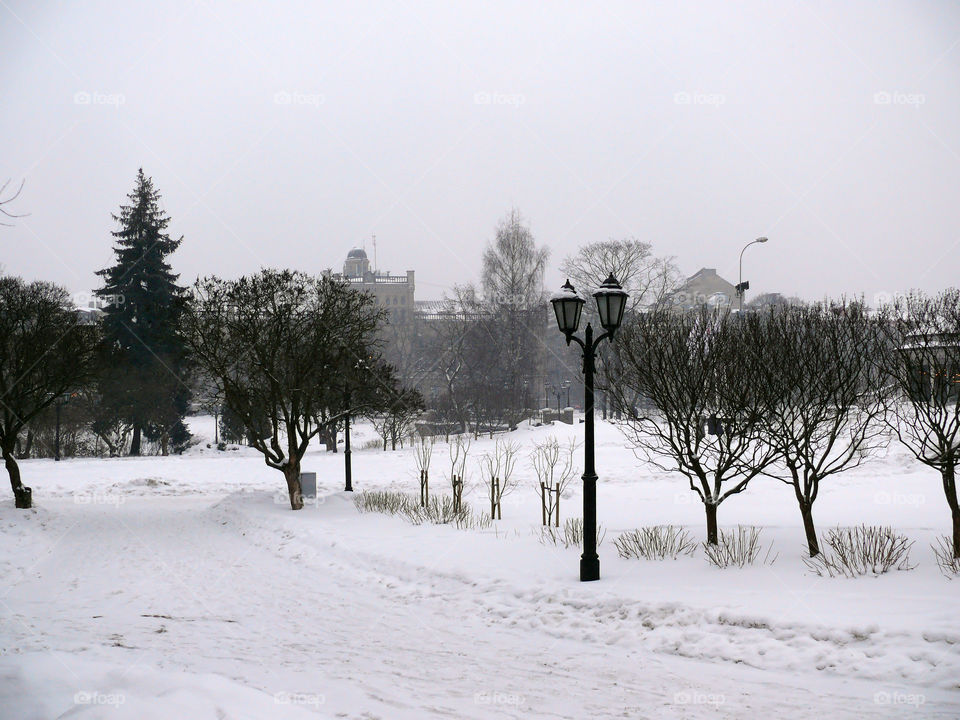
[557,392]
[56,444]
[347,468]
[356,377]
[611,302]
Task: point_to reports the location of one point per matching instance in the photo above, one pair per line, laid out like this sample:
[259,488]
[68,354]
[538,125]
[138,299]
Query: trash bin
[308,485]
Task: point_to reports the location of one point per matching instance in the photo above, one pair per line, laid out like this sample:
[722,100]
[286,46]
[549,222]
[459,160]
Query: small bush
[655,542]
[863,550]
[571,535]
[442,511]
[382,501]
[739,548]
[372,444]
[439,511]
[948,564]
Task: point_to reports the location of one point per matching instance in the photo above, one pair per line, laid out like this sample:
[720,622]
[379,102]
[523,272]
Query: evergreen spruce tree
[144,358]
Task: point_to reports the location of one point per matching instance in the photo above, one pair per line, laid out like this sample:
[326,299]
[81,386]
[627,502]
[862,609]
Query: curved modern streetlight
[567,305]
[742,286]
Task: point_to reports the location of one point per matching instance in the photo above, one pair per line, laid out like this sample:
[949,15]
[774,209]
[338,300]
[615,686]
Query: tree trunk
[950,490]
[956,533]
[813,545]
[135,443]
[23,496]
[29,445]
[292,474]
[164,446]
[711,509]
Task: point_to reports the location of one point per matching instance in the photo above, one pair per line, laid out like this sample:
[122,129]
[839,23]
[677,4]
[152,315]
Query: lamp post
[56,445]
[567,305]
[557,392]
[357,376]
[347,468]
[742,286]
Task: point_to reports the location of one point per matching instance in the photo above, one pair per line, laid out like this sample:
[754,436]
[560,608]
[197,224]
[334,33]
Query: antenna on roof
[376,268]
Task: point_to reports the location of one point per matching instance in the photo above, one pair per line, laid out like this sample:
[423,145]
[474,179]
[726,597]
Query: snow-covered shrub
[381,501]
[445,510]
[862,550]
[438,511]
[948,564]
[571,535]
[740,547]
[655,542]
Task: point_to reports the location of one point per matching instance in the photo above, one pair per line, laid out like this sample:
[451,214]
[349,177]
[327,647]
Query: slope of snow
[185,587]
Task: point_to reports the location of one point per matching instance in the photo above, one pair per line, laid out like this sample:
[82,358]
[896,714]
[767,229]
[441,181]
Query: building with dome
[393,292]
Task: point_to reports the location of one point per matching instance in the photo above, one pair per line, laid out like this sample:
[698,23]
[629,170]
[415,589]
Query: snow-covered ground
[185,587]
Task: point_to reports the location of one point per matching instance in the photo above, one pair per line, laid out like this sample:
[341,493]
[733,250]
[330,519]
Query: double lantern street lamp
[557,391]
[611,303]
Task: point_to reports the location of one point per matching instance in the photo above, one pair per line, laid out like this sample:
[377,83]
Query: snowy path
[340,613]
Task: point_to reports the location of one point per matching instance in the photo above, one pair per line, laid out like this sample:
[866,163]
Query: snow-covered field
[185,587]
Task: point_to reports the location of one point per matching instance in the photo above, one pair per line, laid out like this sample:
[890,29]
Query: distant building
[704,287]
[90,307]
[394,292]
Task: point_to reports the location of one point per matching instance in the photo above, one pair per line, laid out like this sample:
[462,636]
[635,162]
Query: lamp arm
[752,242]
[601,338]
[577,340]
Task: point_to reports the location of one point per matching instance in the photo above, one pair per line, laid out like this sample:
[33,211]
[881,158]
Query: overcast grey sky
[283,134]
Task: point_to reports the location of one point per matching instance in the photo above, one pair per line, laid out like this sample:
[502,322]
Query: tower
[356,265]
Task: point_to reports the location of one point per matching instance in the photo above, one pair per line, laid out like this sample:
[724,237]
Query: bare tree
[922,363]
[646,277]
[276,343]
[497,468]
[483,377]
[44,354]
[554,468]
[391,408]
[423,454]
[703,415]
[513,266]
[459,448]
[821,385]
[516,317]
[9,199]
[449,346]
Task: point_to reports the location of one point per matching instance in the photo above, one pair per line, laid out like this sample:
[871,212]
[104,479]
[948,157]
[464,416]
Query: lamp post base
[589,569]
